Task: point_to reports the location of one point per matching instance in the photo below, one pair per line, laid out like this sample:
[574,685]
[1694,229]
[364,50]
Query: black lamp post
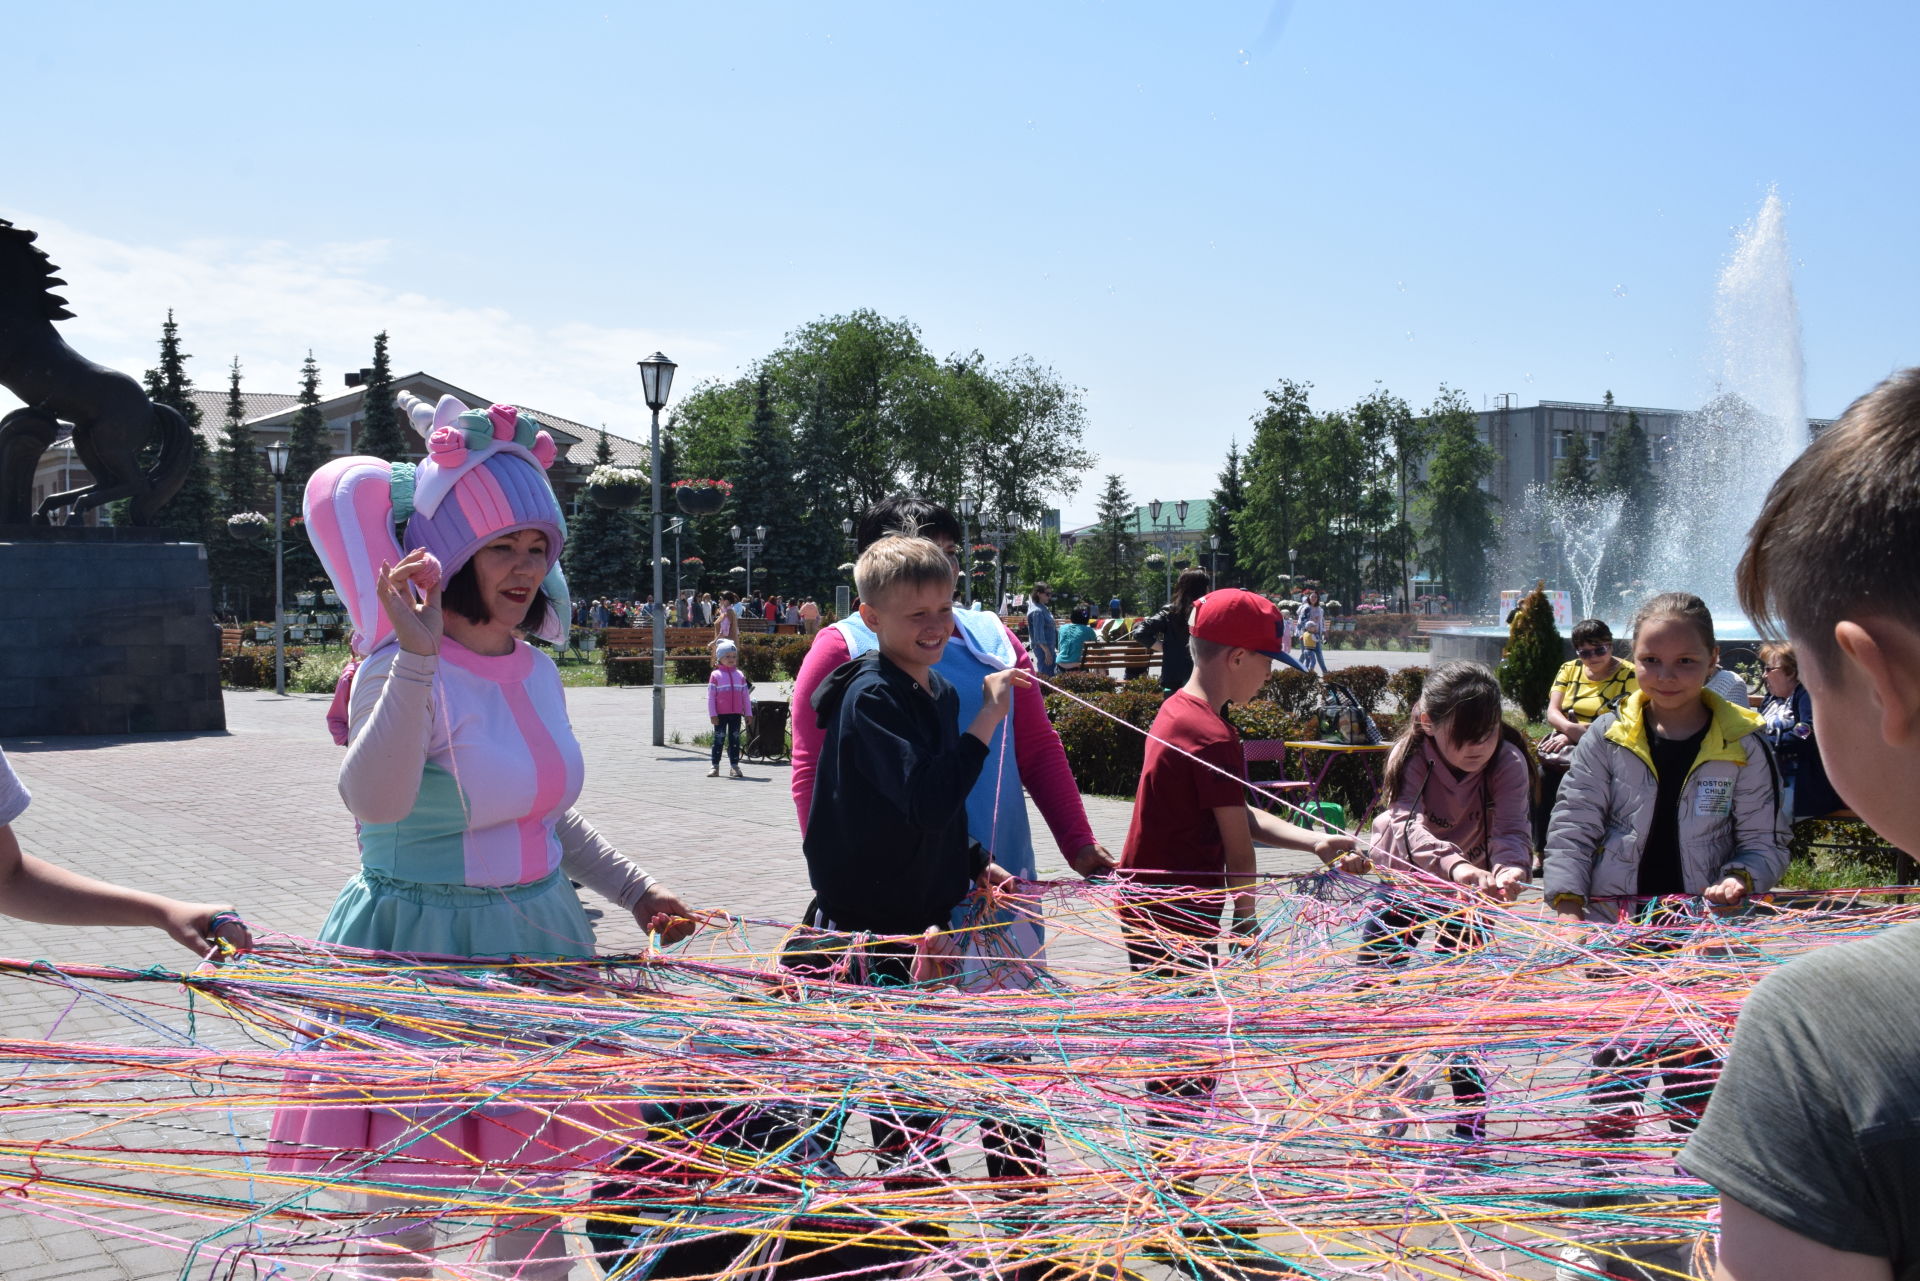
[277,464]
[656,382]
[749,546]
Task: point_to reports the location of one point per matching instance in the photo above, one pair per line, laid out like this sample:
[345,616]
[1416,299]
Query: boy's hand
[1343,853]
[661,912]
[191,926]
[996,691]
[1728,893]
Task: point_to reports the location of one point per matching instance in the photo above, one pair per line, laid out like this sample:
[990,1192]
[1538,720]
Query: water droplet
[1609,358]
[1409,335]
[1401,285]
[1528,378]
[1244,57]
[1619,291]
[1029,124]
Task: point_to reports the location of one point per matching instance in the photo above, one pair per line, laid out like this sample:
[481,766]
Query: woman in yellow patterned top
[1583,691]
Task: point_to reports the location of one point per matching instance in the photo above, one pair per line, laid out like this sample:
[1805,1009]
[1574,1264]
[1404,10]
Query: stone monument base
[106,631]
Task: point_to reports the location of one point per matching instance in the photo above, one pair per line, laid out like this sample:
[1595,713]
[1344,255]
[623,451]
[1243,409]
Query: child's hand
[1343,853]
[1506,882]
[713,720]
[1091,860]
[1570,918]
[191,926]
[1552,743]
[1469,877]
[996,692]
[661,912]
[1728,893]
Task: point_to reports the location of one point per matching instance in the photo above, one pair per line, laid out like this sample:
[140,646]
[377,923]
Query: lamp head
[656,380]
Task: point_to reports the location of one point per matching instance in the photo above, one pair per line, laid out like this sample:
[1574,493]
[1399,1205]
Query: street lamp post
[1213,545]
[846,534]
[1293,570]
[277,464]
[679,523]
[966,552]
[1177,521]
[749,546]
[656,382]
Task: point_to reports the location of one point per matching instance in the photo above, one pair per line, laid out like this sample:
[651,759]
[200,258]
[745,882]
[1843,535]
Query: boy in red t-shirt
[1192,827]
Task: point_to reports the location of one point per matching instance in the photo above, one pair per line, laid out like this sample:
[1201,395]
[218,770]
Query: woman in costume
[461,771]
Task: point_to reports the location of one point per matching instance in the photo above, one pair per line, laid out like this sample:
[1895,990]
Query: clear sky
[1174,206]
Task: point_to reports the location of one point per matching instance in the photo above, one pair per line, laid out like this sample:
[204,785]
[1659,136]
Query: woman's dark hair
[1079,615]
[1591,631]
[905,514]
[1463,701]
[730,596]
[1683,606]
[1190,587]
[462,596]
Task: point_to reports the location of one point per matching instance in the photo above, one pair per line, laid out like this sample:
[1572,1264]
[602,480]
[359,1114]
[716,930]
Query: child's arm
[1510,842]
[34,890]
[713,695]
[1335,849]
[1580,819]
[1236,835]
[1761,831]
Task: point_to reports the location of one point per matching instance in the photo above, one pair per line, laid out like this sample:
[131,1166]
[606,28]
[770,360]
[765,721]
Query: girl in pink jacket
[729,703]
[1459,786]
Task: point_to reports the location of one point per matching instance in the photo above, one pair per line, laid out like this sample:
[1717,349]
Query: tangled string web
[706,1113]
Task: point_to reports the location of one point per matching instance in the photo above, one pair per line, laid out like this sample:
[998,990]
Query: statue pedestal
[106,631]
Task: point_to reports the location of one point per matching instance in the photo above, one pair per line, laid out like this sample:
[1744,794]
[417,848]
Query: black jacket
[887,847]
[1799,757]
[1169,627]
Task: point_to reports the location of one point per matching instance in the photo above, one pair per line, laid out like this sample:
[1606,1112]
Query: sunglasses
[1594,651]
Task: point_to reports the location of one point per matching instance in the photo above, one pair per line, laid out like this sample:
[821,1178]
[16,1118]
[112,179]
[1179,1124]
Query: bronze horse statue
[111,415]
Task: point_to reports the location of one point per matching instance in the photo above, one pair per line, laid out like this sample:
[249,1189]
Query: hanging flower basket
[616,488]
[1156,561]
[701,497]
[983,553]
[249,526]
[846,570]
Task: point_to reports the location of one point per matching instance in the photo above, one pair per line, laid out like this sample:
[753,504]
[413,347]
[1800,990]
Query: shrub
[628,671]
[1106,758]
[693,666]
[1149,685]
[1085,684]
[1533,655]
[792,654]
[317,673]
[1405,686]
[1835,846]
[252,667]
[1366,681]
[759,661]
[1297,693]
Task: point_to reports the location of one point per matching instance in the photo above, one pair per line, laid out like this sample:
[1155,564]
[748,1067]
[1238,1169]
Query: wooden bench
[1134,660]
[231,638]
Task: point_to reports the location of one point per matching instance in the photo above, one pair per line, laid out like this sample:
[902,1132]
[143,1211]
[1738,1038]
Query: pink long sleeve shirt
[1439,819]
[727,693]
[1037,751]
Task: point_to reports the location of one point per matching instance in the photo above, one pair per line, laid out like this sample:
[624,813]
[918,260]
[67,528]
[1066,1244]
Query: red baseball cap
[1242,619]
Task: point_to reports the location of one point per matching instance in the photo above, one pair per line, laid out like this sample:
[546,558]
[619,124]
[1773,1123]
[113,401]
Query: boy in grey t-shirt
[1813,1136]
[32,889]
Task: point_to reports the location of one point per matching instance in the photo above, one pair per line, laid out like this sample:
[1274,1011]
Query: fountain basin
[1739,640]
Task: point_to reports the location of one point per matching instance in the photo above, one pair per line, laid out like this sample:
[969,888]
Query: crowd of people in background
[701,609]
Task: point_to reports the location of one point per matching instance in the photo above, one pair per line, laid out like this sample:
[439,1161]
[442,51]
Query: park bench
[230,639]
[1134,660]
[635,644]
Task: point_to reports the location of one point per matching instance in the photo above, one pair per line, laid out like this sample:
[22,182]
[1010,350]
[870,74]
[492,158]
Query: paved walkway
[252,817]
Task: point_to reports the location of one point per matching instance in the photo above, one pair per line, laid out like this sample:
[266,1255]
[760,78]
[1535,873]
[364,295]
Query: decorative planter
[247,531]
[615,497]
[699,502]
[331,597]
[304,598]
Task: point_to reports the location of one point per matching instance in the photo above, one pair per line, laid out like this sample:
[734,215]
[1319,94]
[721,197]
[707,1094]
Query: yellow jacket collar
[1728,725]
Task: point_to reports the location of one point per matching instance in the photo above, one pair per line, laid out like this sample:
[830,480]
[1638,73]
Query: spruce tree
[240,467]
[1626,474]
[308,447]
[194,510]
[1110,554]
[1575,474]
[605,552]
[1229,499]
[382,435]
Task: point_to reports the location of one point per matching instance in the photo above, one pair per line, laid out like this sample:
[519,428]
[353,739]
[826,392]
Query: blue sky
[1173,206]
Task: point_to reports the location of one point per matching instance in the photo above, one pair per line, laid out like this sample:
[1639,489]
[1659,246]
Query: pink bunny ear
[349,511]
[544,449]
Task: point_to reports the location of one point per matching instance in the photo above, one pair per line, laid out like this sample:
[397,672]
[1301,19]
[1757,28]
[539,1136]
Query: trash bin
[767,731]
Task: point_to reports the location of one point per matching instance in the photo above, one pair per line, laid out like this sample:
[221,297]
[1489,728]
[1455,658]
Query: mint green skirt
[542,919]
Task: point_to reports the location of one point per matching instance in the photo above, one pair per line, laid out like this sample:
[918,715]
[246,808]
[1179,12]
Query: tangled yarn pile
[707,1096]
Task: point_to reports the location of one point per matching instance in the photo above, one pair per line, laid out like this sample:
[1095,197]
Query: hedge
[252,666]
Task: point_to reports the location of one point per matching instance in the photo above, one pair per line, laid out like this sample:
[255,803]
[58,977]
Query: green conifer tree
[382,434]
[308,449]
[241,569]
[1110,554]
[605,553]
[194,510]
[1533,655]
[1229,500]
[240,466]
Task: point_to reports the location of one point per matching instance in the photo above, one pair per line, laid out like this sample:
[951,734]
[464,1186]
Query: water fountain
[1715,472]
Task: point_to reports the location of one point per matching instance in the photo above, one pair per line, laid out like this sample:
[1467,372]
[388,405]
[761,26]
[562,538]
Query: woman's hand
[1554,743]
[417,624]
[1574,732]
[1091,860]
[1469,877]
[1728,893]
[661,912]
